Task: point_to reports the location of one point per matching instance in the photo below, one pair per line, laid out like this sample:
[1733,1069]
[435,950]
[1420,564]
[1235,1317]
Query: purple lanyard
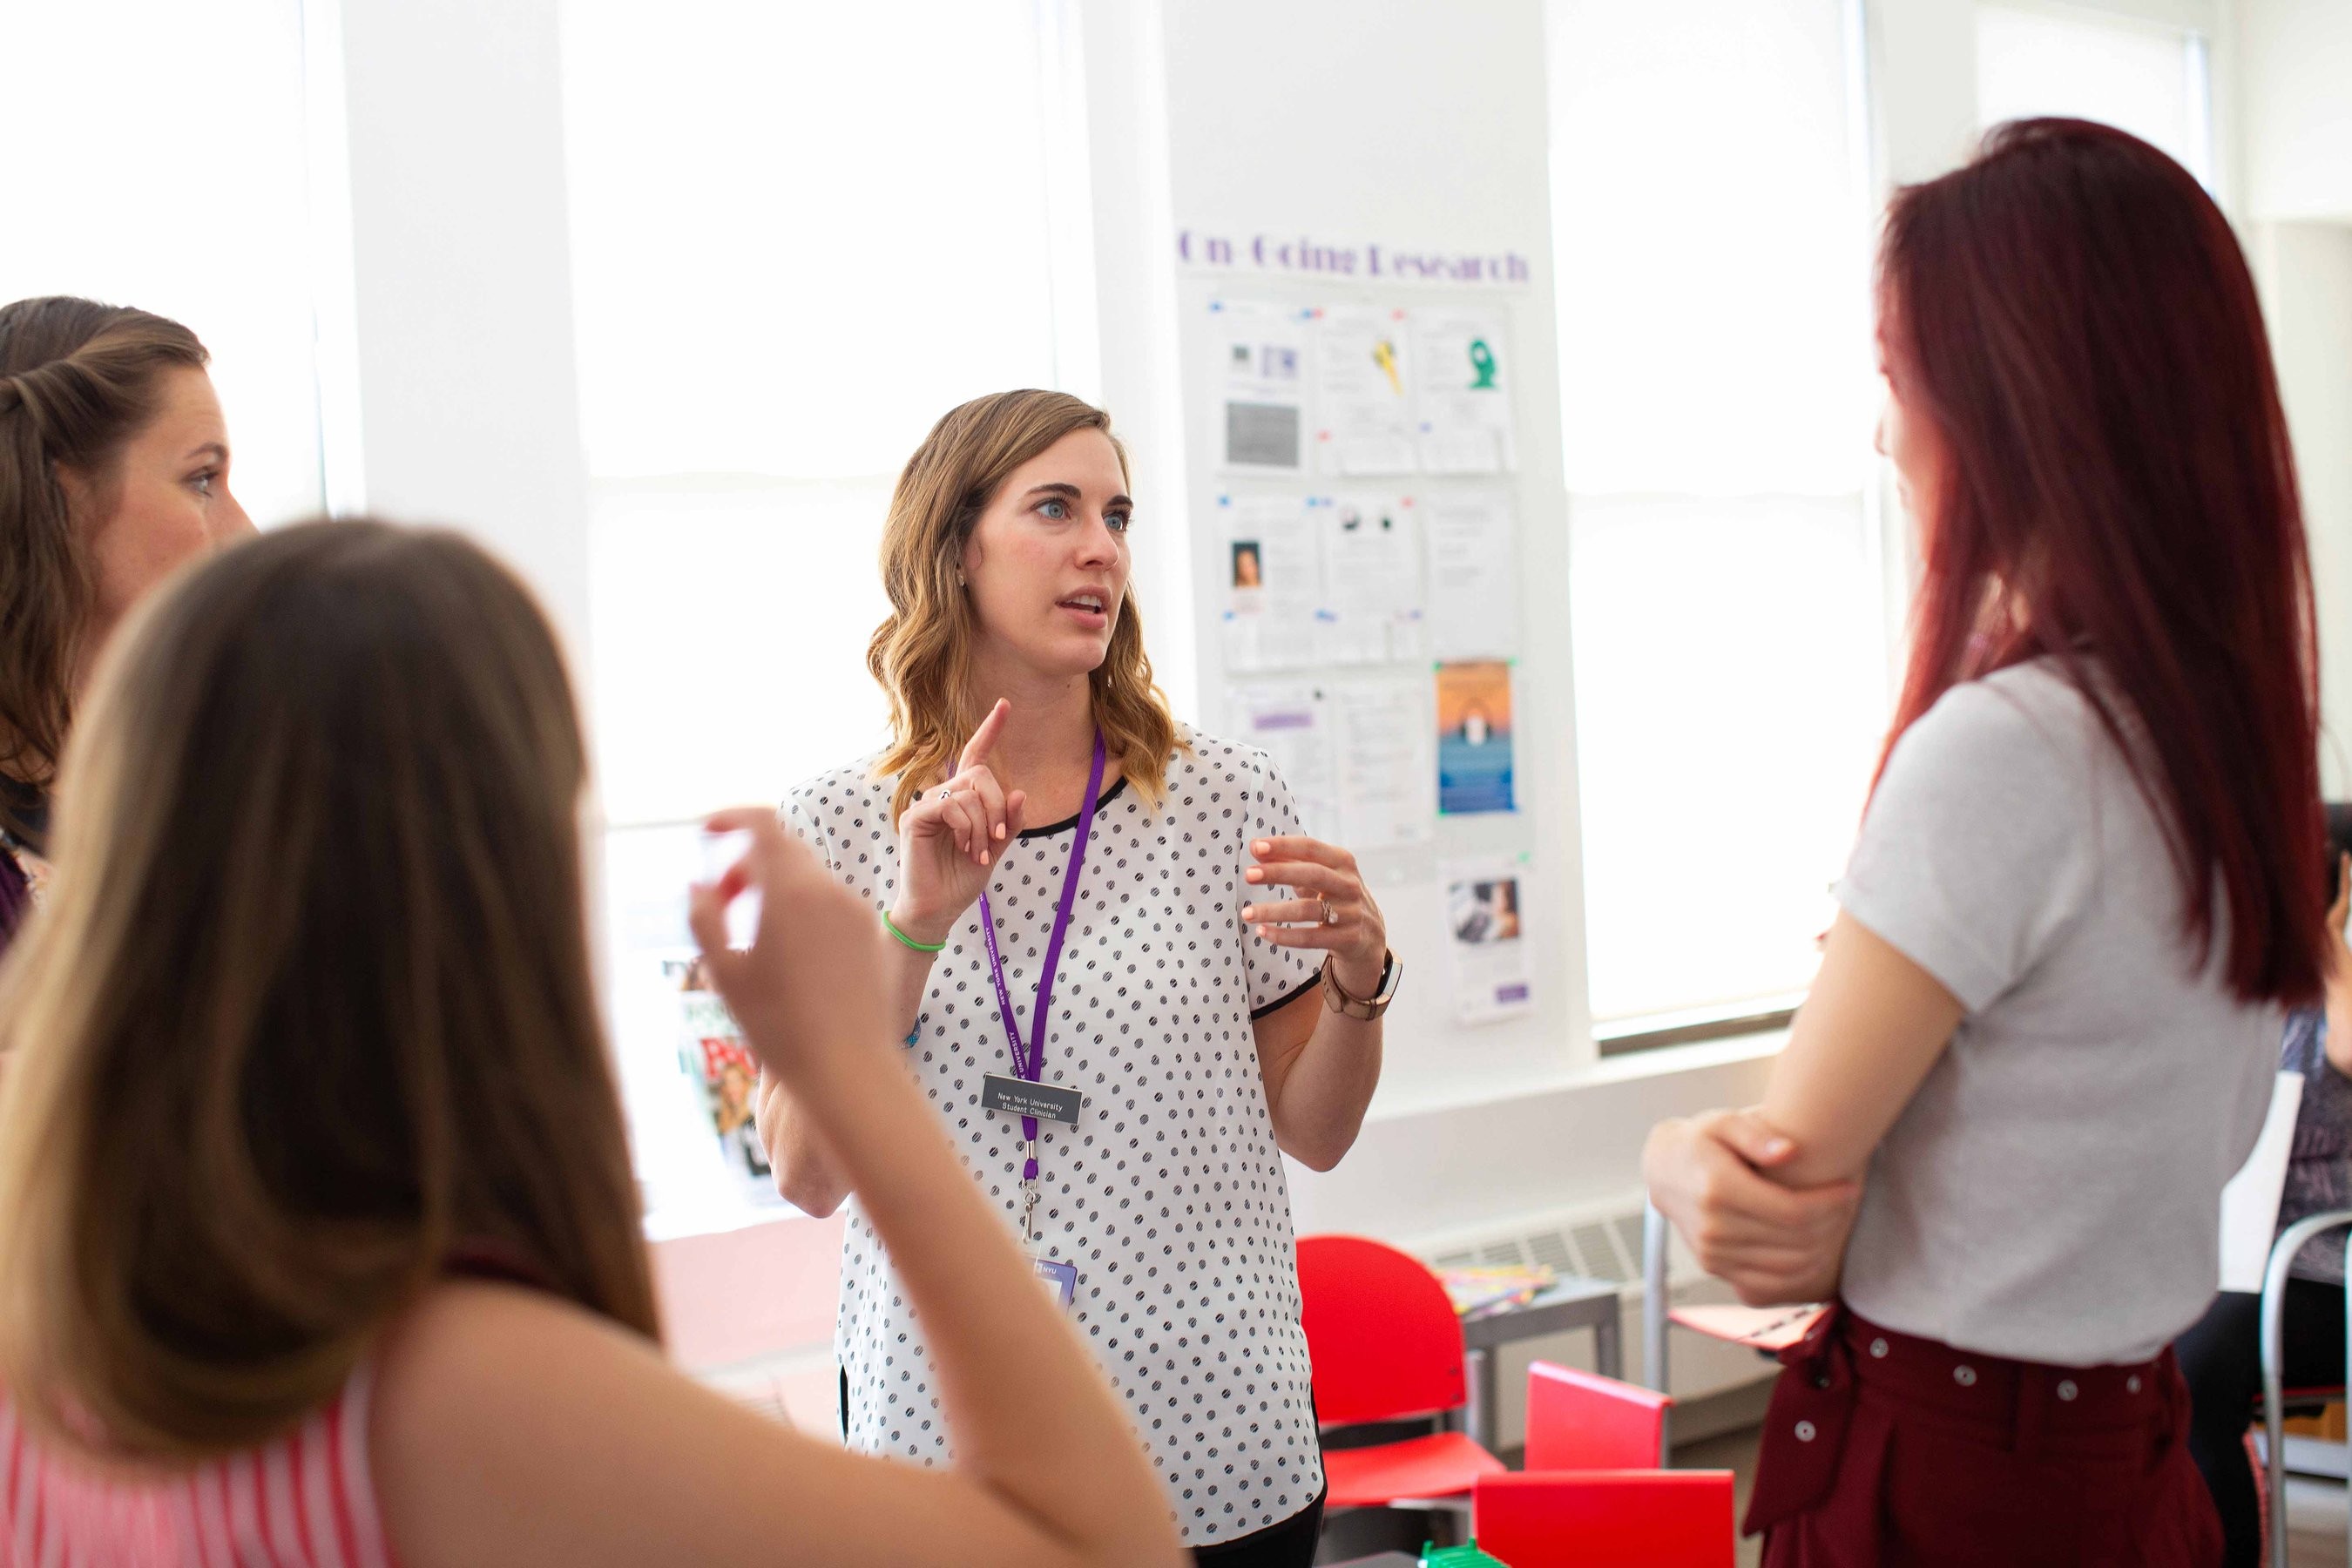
[1028,1064]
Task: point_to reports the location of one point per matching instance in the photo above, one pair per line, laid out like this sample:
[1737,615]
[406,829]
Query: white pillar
[462,282]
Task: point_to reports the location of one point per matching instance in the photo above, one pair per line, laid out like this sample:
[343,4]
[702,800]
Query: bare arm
[1871,1027]
[519,1430]
[2339,972]
[807,1173]
[1766,1199]
[1320,1066]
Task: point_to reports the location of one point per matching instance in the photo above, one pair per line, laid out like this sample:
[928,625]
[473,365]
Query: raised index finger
[984,740]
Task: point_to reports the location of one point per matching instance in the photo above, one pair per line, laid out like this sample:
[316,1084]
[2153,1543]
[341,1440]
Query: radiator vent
[1607,1246]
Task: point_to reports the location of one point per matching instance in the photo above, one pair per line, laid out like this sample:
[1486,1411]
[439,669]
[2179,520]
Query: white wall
[1451,155]
[1419,123]
[461,263]
[2306,272]
[2296,56]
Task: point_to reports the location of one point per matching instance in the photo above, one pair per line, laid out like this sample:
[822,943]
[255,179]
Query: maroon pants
[1883,1450]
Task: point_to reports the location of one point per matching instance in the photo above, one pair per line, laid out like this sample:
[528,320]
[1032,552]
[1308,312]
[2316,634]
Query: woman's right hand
[810,986]
[949,838]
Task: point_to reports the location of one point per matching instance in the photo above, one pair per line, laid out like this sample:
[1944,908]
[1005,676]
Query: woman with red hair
[2048,1012]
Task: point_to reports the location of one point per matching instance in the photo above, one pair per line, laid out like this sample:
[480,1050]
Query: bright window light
[1711,230]
[801,233]
[172,176]
[1730,676]
[2142,77]
[1711,246]
[796,242]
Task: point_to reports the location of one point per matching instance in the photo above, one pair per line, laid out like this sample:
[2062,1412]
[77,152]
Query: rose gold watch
[1335,997]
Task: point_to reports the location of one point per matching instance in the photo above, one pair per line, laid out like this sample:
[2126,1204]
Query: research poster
[1487,948]
[1465,373]
[1363,381]
[1270,566]
[1474,738]
[1373,580]
[1286,719]
[1474,583]
[1259,377]
[1382,735]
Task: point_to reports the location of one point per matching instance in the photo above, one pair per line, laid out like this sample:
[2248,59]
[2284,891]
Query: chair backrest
[1607,1519]
[1382,1332]
[1582,1421]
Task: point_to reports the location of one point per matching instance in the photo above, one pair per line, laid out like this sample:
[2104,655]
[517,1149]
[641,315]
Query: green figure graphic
[1481,360]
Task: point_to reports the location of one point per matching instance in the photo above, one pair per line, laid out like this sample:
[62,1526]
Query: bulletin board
[1362,582]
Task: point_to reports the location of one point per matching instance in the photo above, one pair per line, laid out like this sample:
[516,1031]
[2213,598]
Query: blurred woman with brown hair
[113,470]
[319,1240]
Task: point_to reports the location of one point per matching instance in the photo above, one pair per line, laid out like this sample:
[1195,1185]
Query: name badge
[1019,1097]
[1060,1280]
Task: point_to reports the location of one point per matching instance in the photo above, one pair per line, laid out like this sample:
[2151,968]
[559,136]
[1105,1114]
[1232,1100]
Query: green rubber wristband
[892,927]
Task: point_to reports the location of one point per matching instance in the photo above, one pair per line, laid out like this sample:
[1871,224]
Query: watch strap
[1335,995]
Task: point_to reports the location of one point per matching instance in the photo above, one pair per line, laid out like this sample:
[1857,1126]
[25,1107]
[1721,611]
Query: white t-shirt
[1168,1195]
[2053,1190]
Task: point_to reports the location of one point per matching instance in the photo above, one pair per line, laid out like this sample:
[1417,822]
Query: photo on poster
[1462,394]
[1259,382]
[1475,773]
[1363,359]
[1486,949]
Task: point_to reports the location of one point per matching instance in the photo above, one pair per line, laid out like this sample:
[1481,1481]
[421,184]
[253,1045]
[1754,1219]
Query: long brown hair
[2072,313]
[78,380]
[921,654]
[310,1015]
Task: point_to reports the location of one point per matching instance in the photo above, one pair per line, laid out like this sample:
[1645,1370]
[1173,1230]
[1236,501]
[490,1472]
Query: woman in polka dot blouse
[1212,978]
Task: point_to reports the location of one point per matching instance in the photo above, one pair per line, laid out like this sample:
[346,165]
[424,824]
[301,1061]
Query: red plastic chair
[1387,1347]
[1607,1519]
[1582,1421]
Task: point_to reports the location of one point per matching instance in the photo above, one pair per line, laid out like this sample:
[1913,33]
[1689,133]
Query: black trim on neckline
[1072,821]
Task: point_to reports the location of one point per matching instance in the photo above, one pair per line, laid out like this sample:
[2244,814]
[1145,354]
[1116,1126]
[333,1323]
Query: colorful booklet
[1481,1290]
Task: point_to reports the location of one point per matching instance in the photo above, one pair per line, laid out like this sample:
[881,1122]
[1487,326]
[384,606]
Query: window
[1711,235]
[768,203]
[171,175]
[2144,76]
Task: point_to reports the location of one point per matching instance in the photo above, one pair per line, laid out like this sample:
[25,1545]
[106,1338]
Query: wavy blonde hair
[921,653]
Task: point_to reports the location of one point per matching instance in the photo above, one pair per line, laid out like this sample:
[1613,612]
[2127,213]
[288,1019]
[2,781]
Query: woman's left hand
[1332,909]
[1773,1244]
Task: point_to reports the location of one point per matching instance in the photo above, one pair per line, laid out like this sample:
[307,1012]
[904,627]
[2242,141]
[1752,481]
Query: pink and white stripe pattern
[305,1500]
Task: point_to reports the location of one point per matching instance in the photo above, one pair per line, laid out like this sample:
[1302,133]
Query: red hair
[2072,314]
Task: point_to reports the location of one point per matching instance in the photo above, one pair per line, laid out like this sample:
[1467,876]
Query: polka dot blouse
[1169,1195]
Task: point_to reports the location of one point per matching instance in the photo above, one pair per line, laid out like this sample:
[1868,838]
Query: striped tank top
[305,1500]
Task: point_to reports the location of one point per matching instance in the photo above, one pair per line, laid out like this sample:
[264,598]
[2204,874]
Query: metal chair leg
[2290,1242]
[1653,1318]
